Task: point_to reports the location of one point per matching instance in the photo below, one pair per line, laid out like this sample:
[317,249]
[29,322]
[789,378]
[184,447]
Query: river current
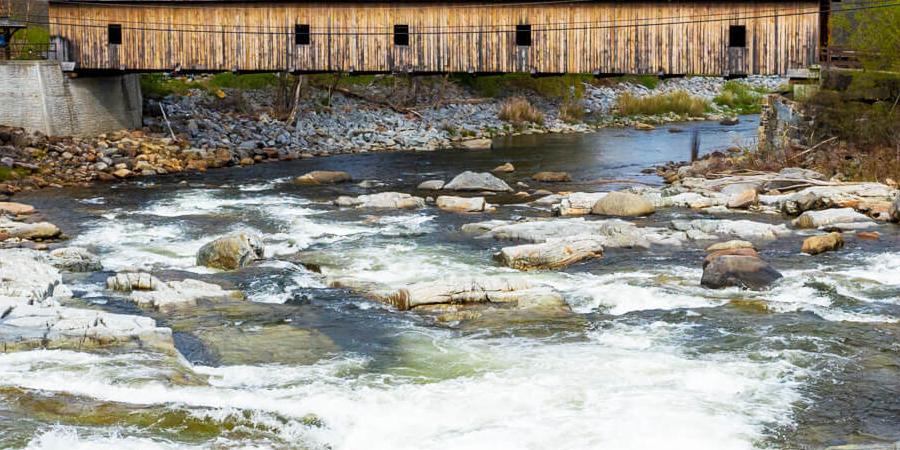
[649,360]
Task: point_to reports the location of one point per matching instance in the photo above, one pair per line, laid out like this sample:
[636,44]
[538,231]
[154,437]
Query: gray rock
[75,259]
[894,212]
[744,229]
[471,181]
[736,270]
[383,200]
[231,252]
[323,177]
[27,275]
[462,204]
[431,185]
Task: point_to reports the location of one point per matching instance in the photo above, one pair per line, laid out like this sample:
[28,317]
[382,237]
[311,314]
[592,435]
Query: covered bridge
[672,37]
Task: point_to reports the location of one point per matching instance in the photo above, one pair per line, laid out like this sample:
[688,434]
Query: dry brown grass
[519,110]
[571,111]
[678,102]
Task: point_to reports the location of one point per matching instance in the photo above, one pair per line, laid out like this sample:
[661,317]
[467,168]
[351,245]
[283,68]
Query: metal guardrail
[25,51]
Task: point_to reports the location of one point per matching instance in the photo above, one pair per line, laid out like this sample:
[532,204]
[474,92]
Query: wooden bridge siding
[773,45]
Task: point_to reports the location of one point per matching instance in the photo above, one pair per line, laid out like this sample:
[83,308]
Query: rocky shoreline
[202,131]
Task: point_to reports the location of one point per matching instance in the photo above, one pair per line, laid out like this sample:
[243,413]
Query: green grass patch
[570,86]
[678,102]
[7,173]
[740,98]
[228,80]
[648,81]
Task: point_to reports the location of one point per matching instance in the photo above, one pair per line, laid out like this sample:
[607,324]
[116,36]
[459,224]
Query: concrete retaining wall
[37,96]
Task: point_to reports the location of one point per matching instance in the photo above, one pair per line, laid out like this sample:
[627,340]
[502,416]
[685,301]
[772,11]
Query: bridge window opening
[737,36]
[114,34]
[301,34]
[523,35]
[401,35]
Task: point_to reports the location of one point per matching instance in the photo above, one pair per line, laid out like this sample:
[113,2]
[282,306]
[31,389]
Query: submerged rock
[737,268]
[610,233]
[231,252]
[820,244]
[504,168]
[75,259]
[832,217]
[623,204]
[471,181]
[463,204]
[431,185]
[323,177]
[552,177]
[384,200]
[552,254]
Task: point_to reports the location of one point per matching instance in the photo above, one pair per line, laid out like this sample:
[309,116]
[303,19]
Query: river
[649,359]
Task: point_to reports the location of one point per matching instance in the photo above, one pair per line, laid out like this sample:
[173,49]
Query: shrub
[555,86]
[648,81]
[247,81]
[518,110]
[678,102]
[741,98]
[571,111]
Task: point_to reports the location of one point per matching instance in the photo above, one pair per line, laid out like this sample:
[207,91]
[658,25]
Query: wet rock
[475,144]
[894,212]
[552,254]
[644,126]
[824,197]
[497,290]
[22,230]
[323,177]
[472,181]
[231,252]
[869,235]
[504,168]
[611,233]
[122,173]
[147,290]
[623,204]
[27,275]
[15,209]
[383,200]
[577,203]
[737,268]
[75,259]
[743,200]
[819,244]
[728,121]
[729,245]
[744,229]
[463,204]
[832,217]
[431,185]
[552,177]
[26,327]
[132,281]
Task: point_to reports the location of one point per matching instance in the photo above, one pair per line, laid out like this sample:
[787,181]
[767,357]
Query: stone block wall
[38,96]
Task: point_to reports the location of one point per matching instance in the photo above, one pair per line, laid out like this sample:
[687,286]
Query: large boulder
[472,181]
[501,290]
[383,200]
[323,177]
[819,244]
[841,217]
[75,259]
[623,204]
[552,177]
[552,254]
[231,252]
[737,268]
[462,204]
[32,231]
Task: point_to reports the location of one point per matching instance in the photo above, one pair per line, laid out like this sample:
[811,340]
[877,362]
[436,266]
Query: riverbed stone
[15,209]
[623,204]
[894,211]
[743,229]
[231,252]
[577,203]
[551,177]
[476,144]
[462,204]
[831,217]
[743,200]
[814,245]
[75,259]
[472,181]
[552,254]
[504,168]
[431,185]
[382,200]
[31,231]
[147,290]
[737,268]
[323,177]
[729,245]
[464,290]
[26,274]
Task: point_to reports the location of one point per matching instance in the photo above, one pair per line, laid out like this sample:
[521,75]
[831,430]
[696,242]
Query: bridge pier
[38,96]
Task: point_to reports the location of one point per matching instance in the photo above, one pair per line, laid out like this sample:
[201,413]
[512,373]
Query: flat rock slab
[147,290]
[28,275]
[22,230]
[829,217]
[506,290]
[553,254]
[744,229]
[15,208]
[462,204]
[323,177]
[26,327]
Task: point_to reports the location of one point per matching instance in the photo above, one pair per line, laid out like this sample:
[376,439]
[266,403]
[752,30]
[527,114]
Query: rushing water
[649,360]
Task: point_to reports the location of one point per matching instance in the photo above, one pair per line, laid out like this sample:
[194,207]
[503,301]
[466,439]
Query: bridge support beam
[38,96]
